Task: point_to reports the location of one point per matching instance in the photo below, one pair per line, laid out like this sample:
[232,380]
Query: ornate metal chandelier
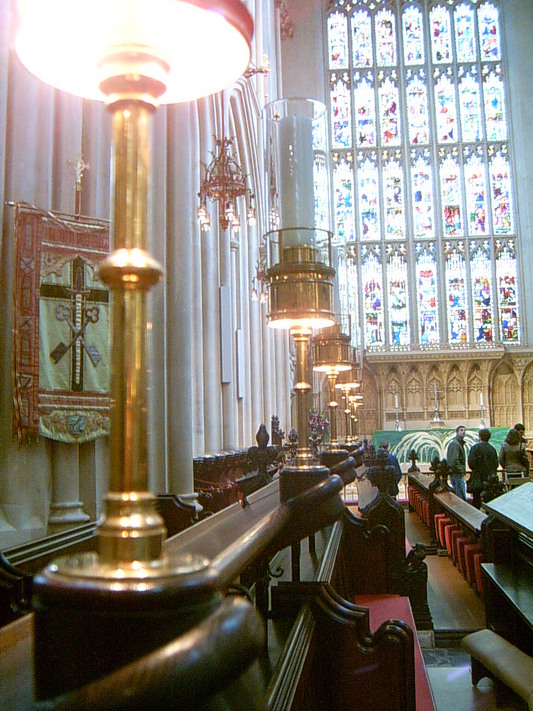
[224,181]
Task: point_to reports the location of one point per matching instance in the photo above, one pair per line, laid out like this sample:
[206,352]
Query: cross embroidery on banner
[79,308]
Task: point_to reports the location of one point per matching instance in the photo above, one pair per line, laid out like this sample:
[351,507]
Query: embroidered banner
[61,327]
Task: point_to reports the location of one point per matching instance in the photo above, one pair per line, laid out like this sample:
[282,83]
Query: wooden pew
[505,649]
[462,537]
[358,655]
[18,565]
[232,542]
[508,567]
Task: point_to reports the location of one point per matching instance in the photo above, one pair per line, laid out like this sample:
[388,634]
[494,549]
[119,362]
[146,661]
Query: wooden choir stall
[246,635]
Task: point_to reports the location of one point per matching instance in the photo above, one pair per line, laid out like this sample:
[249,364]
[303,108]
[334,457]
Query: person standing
[483,463]
[520,428]
[513,456]
[456,458]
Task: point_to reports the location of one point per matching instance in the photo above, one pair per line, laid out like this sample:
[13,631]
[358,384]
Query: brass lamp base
[92,618]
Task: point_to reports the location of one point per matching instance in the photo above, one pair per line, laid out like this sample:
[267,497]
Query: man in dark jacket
[483,462]
[456,458]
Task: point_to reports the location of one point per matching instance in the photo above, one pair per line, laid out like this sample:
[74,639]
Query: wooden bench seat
[396,607]
[495,657]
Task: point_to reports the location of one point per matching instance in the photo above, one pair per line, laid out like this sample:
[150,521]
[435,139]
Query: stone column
[66,509]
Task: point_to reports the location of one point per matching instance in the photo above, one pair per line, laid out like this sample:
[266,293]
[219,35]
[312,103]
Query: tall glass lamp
[332,354]
[299,271]
[133,55]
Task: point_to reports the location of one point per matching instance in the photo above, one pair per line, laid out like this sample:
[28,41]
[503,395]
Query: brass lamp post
[299,271]
[332,354]
[348,382]
[134,55]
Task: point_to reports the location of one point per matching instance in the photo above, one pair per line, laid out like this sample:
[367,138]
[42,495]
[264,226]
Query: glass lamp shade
[188,49]
[332,350]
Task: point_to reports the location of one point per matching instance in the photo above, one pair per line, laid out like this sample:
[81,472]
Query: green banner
[431,443]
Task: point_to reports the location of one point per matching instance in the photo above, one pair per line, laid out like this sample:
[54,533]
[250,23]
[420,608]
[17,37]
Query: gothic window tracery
[422,157]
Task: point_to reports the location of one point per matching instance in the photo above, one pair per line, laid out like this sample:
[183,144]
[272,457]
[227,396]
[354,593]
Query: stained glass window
[389,112]
[385,39]
[495,107]
[422,191]
[365,111]
[445,108]
[476,196]
[417,109]
[481,280]
[397,292]
[423,170]
[500,180]
[489,31]
[368,191]
[470,108]
[441,40]
[341,115]
[506,277]
[393,199]
[362,39]
[372,286]
[427,294]
[457,293]
[338,41]
[451,198]
[413,37]
[344,201]
[465,32]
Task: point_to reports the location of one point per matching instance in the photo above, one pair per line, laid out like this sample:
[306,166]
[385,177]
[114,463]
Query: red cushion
[470,550]
[396,607]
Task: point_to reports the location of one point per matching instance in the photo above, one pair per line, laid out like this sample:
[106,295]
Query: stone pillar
[66,510]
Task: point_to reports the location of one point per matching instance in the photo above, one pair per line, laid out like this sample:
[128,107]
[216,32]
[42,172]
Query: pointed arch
[505,409]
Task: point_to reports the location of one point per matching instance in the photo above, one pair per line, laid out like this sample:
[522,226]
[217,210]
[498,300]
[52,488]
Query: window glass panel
[465,33]
[385,39]
[338,41]
[417,109]
[361,40]
[398,298]
[372,285]
[476,196]
[450,180]
[470,108]
[353,294]
[365,111]
[427,294]
[341,121]
[446,110]
[502,209]
[422,188]
[368,189]
[496,123]
[506,277]
[441,45]
[457,295]
[320,177]
[393,199]
[481,278]
[344,201]
[413,37]
[489,32]
[389,112]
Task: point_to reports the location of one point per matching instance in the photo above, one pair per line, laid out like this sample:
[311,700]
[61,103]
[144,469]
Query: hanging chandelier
[224,181]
